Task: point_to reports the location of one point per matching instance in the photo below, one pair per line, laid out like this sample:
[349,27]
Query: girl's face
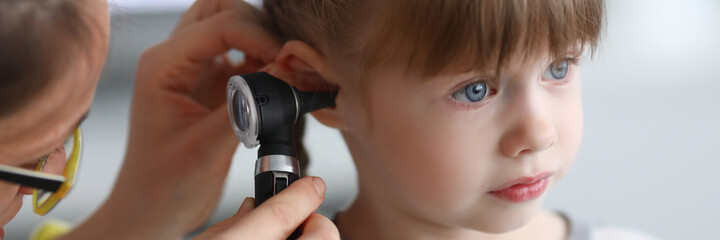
[44,124]
[462,149]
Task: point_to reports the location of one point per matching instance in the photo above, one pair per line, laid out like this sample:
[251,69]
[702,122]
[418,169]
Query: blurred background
[648,160]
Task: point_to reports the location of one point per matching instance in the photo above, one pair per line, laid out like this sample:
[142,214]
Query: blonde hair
[432,35]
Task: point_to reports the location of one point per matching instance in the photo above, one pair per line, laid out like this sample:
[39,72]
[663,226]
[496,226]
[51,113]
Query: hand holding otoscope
[263,111]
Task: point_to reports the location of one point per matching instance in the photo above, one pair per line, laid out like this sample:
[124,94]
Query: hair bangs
[433,36]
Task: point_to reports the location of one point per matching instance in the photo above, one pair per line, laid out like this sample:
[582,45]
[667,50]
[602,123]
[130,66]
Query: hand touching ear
[307,69]
[181,142]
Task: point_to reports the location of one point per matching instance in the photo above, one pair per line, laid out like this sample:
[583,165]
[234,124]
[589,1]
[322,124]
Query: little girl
[459,114]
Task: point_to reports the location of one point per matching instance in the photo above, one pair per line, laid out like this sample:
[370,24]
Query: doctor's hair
[39,41]
[436,36]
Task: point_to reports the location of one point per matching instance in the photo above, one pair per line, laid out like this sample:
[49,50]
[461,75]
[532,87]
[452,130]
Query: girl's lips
[523,189]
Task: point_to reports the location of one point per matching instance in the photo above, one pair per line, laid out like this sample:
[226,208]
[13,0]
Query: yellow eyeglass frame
[69,173]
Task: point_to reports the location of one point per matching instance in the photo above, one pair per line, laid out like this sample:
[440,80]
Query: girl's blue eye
[473,92]
[557,70]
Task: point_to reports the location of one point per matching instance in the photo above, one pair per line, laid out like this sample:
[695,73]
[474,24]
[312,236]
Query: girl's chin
[506,218]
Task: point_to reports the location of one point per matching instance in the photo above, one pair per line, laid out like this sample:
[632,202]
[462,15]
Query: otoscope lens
[242,112]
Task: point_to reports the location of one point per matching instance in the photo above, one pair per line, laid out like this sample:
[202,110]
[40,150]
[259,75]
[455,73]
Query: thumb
[280,215]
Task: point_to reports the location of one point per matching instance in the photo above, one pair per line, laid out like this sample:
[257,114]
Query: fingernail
[246,206]
[246,203]
[319,185]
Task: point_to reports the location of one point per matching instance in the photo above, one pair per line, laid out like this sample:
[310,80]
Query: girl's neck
[367,220]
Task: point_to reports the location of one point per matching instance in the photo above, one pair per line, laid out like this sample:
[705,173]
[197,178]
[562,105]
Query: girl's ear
[306,69]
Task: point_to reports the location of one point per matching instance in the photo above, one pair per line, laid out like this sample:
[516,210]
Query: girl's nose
[529,133]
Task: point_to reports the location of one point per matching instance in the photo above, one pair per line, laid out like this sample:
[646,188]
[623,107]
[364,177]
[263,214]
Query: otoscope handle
[270,183]
[274,173]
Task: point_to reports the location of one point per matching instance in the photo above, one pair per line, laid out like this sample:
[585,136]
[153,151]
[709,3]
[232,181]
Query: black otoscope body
[263,111]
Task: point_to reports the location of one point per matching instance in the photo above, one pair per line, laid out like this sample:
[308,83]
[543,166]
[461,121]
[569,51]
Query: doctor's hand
[279,216]
[181,142]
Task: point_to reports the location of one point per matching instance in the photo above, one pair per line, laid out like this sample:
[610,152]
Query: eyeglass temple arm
[31,178]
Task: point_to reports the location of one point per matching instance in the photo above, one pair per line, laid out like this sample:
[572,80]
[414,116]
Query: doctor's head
[51,58]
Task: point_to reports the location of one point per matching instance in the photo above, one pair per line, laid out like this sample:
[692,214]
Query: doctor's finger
[210,92]
[189,52]
[280,215]
[318,227]
[203,9]
[216,35]
[247,206]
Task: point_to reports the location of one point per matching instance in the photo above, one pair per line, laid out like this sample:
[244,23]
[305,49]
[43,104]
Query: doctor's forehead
[46,121]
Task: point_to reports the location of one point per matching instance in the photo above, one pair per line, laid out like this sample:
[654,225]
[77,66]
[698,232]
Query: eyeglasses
[54,174]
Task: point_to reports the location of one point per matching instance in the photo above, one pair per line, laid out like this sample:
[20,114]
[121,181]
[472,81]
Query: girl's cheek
[570,127]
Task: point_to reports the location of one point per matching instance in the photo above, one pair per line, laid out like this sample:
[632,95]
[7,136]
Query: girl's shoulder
[582,230]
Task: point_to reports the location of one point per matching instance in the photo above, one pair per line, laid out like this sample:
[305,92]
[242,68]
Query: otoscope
[263,111]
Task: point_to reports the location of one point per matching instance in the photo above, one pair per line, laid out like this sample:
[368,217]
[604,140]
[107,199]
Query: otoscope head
[264,109]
